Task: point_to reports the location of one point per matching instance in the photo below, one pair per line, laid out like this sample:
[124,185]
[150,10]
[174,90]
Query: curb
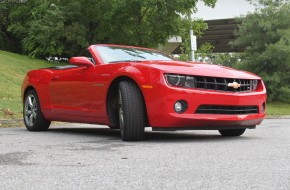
[11,120]
[277,117]
[5,123]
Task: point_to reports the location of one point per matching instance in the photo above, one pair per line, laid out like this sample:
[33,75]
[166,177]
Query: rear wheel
[232,132]
[131,111]
[32,115]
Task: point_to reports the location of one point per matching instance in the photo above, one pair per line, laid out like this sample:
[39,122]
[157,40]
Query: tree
[63,28]
[147,22]
[265,35]
[38,26]
[7,39]
[225,59]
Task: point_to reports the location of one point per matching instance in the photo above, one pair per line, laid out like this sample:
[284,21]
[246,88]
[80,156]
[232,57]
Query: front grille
[228,110]
[221,84]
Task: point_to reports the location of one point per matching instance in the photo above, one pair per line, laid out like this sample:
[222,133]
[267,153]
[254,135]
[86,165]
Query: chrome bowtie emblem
[234,85]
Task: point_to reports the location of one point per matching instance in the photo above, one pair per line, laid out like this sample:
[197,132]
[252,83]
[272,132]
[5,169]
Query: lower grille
[228,110]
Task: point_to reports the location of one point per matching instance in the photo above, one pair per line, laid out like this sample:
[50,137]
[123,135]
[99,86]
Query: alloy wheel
[30,110]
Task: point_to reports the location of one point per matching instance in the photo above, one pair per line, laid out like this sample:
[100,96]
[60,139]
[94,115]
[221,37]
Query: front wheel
[131,111]
[32,115]
[232,132]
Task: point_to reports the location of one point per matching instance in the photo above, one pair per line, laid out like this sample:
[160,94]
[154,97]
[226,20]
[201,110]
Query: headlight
[255,85]
[175,80]
[181,80]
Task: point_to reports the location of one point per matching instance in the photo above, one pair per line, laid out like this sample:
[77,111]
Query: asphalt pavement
[76,156]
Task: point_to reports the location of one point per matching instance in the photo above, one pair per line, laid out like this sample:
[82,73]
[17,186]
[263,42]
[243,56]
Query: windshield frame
[152,52]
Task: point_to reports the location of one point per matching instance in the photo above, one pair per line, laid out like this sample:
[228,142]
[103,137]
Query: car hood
[200,69]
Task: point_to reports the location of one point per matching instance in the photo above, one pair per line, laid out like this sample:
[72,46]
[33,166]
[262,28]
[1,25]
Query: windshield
[111,54]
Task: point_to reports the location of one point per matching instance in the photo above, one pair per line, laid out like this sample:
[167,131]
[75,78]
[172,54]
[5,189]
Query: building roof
[220,32]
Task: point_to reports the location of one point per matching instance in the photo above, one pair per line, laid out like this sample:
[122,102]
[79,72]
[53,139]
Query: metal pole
[192,44]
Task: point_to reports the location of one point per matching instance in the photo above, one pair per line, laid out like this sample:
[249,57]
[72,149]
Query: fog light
[263,107]
[180,106]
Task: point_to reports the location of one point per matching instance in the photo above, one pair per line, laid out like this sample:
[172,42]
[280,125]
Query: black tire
[32,115]
[131,111]
[232,132]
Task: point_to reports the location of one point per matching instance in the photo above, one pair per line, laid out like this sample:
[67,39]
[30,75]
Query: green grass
[278,109]
[13,68]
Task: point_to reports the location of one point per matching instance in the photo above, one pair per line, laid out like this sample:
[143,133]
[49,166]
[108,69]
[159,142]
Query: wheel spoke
[28,112]
[121,113]
[34,114]
[34,103]
[30,120]
[30,101]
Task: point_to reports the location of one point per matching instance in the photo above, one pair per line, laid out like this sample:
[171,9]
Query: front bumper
[160,108]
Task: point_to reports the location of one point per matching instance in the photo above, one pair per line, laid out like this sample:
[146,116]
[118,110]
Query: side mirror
[81,61]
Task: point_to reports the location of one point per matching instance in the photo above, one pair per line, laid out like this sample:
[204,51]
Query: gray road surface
[89,157]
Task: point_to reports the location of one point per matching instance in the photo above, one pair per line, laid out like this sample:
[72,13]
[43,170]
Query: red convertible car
[132,88]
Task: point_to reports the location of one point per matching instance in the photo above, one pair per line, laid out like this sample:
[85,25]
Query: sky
[223,9]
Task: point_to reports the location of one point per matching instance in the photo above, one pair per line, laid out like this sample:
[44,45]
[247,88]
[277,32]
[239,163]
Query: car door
[72,91]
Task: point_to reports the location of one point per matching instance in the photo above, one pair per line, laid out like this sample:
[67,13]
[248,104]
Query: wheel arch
[112,98]
[34,121]
[28,88]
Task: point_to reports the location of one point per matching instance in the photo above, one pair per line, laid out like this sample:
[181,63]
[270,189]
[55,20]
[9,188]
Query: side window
[89,56]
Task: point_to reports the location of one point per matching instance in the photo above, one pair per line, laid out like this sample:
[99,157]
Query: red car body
[81,93]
